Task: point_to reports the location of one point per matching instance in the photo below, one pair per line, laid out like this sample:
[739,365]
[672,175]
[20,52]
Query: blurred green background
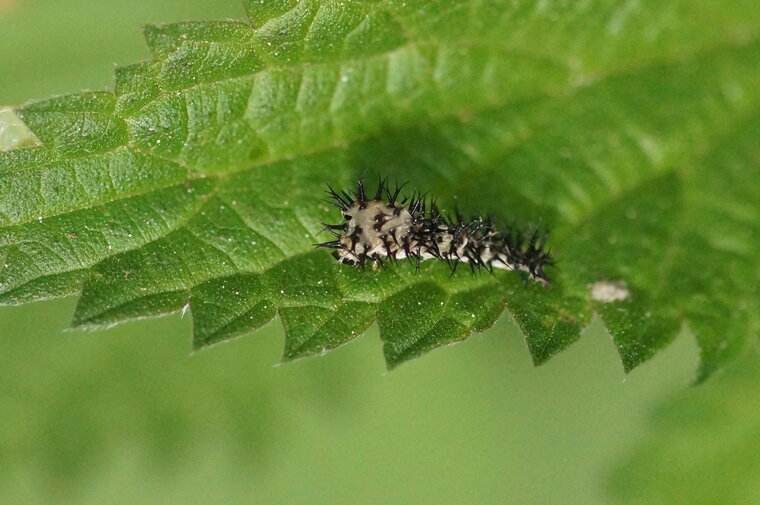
[129,416]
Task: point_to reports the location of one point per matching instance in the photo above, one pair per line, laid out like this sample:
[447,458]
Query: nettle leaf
[629,130]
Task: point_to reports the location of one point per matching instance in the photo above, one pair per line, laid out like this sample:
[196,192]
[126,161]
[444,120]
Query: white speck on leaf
[609,291]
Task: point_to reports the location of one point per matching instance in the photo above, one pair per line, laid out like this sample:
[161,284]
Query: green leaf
[628,129]
[13,132]
[703,445]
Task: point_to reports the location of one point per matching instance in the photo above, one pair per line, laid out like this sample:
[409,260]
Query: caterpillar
[389,228]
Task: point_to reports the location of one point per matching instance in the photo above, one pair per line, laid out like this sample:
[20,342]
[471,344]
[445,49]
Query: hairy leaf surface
[629,129]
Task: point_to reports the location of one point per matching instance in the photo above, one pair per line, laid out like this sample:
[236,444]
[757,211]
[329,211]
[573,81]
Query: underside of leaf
[629,131]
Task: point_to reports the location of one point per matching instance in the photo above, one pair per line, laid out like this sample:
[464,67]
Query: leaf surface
[628,129]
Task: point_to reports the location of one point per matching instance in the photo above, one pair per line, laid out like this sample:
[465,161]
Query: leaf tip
[14,132]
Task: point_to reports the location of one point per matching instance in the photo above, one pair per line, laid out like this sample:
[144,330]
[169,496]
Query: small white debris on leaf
[609,291]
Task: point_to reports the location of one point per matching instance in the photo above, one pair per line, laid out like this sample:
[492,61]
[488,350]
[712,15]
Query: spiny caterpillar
[388,228]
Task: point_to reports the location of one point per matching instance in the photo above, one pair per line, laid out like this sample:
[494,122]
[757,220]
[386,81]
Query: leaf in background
[628,129]
[703,446]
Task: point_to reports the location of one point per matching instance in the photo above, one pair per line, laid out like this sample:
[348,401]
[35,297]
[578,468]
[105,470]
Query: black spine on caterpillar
[389,228]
